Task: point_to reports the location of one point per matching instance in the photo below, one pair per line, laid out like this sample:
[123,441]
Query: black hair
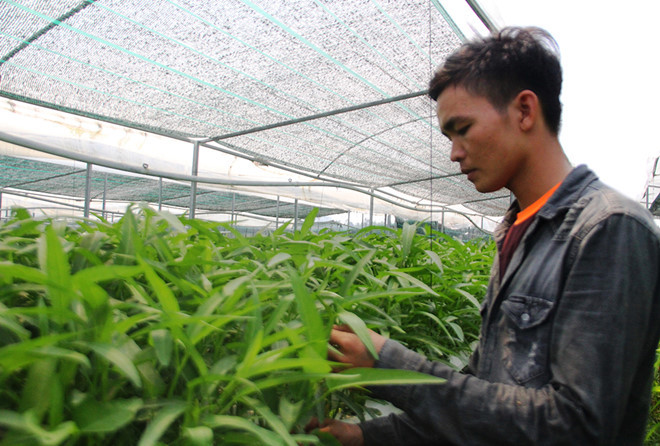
[502,65]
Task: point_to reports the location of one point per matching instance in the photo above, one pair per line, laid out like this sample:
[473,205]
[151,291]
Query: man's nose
[457,152]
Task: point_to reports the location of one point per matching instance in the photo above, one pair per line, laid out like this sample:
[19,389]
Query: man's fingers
[340,337]
[343,327]
[313,424]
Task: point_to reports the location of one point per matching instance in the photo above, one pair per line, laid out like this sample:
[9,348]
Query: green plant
[653,429]
[162,330]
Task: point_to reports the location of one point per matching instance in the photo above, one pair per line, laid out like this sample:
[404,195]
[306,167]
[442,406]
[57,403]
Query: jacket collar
[577,180]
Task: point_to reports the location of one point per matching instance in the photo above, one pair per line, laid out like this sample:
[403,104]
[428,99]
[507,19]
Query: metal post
[193,184]
[0,205]
[443,222]
[371,208]
[88,189]
[233,207]
[295,215]
[105,191]
[277,213]
[348,223]
[160,193]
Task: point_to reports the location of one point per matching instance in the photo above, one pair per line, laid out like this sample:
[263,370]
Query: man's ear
[528,108]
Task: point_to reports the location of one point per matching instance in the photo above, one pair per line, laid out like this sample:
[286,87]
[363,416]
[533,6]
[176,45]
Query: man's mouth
[469,172]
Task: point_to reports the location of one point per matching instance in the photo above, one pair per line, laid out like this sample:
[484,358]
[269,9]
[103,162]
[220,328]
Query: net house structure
[254,111]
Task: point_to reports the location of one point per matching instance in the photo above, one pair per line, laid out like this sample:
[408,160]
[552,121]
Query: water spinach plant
[159,329]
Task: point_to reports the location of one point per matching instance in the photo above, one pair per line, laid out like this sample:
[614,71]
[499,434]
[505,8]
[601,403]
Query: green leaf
[309,222]
[38,385]
[275,423]
[96,274]
[55,264]
[265,436]
[253,346]
[163,345]
[130,242]
[357,269]
[107,416]
[161,422]
[327,439]
[15,356]
[289,412]
[119,359]
[16,271]
[7,322]
[407,237]
[198,436]
[172,220]
[28,423]
[435,258]
[360,329]
[413,281]
[309,314]
[277,259]
[378,377]
[233,285]
[470,298]
[160,288]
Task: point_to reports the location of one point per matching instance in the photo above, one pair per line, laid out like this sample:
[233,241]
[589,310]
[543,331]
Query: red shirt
[519,227]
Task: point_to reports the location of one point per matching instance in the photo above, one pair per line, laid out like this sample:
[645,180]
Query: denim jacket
[567,341]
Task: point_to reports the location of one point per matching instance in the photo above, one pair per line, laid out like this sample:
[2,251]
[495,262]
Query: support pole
[193,184]
[295,215]
[277,213]
[88,190]
[233,208]
[160,193]
[371,207]
[105,192]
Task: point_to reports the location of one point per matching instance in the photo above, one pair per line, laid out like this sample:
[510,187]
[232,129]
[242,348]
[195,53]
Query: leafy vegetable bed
[160,330]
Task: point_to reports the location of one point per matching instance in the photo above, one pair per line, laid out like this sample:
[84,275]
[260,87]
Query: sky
[611,64]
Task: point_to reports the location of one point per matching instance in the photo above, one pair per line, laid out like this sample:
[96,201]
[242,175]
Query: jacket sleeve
[604,340]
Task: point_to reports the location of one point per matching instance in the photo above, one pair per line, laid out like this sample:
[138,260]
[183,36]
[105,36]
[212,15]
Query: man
[571,317]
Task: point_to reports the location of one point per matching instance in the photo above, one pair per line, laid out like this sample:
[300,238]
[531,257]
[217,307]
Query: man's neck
[543,171]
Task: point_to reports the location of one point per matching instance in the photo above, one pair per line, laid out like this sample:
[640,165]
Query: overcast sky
[611,61]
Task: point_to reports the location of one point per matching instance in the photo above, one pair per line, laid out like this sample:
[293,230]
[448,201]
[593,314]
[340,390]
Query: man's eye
[463,130]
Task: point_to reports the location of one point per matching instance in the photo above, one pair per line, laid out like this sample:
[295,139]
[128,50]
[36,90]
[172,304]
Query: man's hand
[351,350]
[346,433]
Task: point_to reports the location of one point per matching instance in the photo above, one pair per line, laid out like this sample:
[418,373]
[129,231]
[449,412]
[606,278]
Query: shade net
[47,176]
[221,71]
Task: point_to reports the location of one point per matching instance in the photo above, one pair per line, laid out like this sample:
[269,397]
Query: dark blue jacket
[568,337]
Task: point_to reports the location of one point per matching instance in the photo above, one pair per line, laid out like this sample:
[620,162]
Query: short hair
[500,66]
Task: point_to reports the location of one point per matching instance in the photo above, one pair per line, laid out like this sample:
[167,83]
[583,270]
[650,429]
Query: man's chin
[486,188]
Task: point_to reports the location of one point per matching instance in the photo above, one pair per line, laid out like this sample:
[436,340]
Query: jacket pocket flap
[526,311]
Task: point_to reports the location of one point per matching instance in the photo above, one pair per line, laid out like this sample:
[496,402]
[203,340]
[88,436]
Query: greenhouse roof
[327,90]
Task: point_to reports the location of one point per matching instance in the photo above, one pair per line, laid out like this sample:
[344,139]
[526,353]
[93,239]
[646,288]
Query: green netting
[70,181]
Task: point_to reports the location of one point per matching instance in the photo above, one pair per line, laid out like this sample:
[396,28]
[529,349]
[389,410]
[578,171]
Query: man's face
[483,138]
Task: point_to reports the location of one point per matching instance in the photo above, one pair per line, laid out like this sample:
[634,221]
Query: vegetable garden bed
[162,330]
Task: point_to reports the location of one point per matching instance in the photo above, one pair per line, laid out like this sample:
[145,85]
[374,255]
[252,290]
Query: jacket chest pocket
[526,336]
